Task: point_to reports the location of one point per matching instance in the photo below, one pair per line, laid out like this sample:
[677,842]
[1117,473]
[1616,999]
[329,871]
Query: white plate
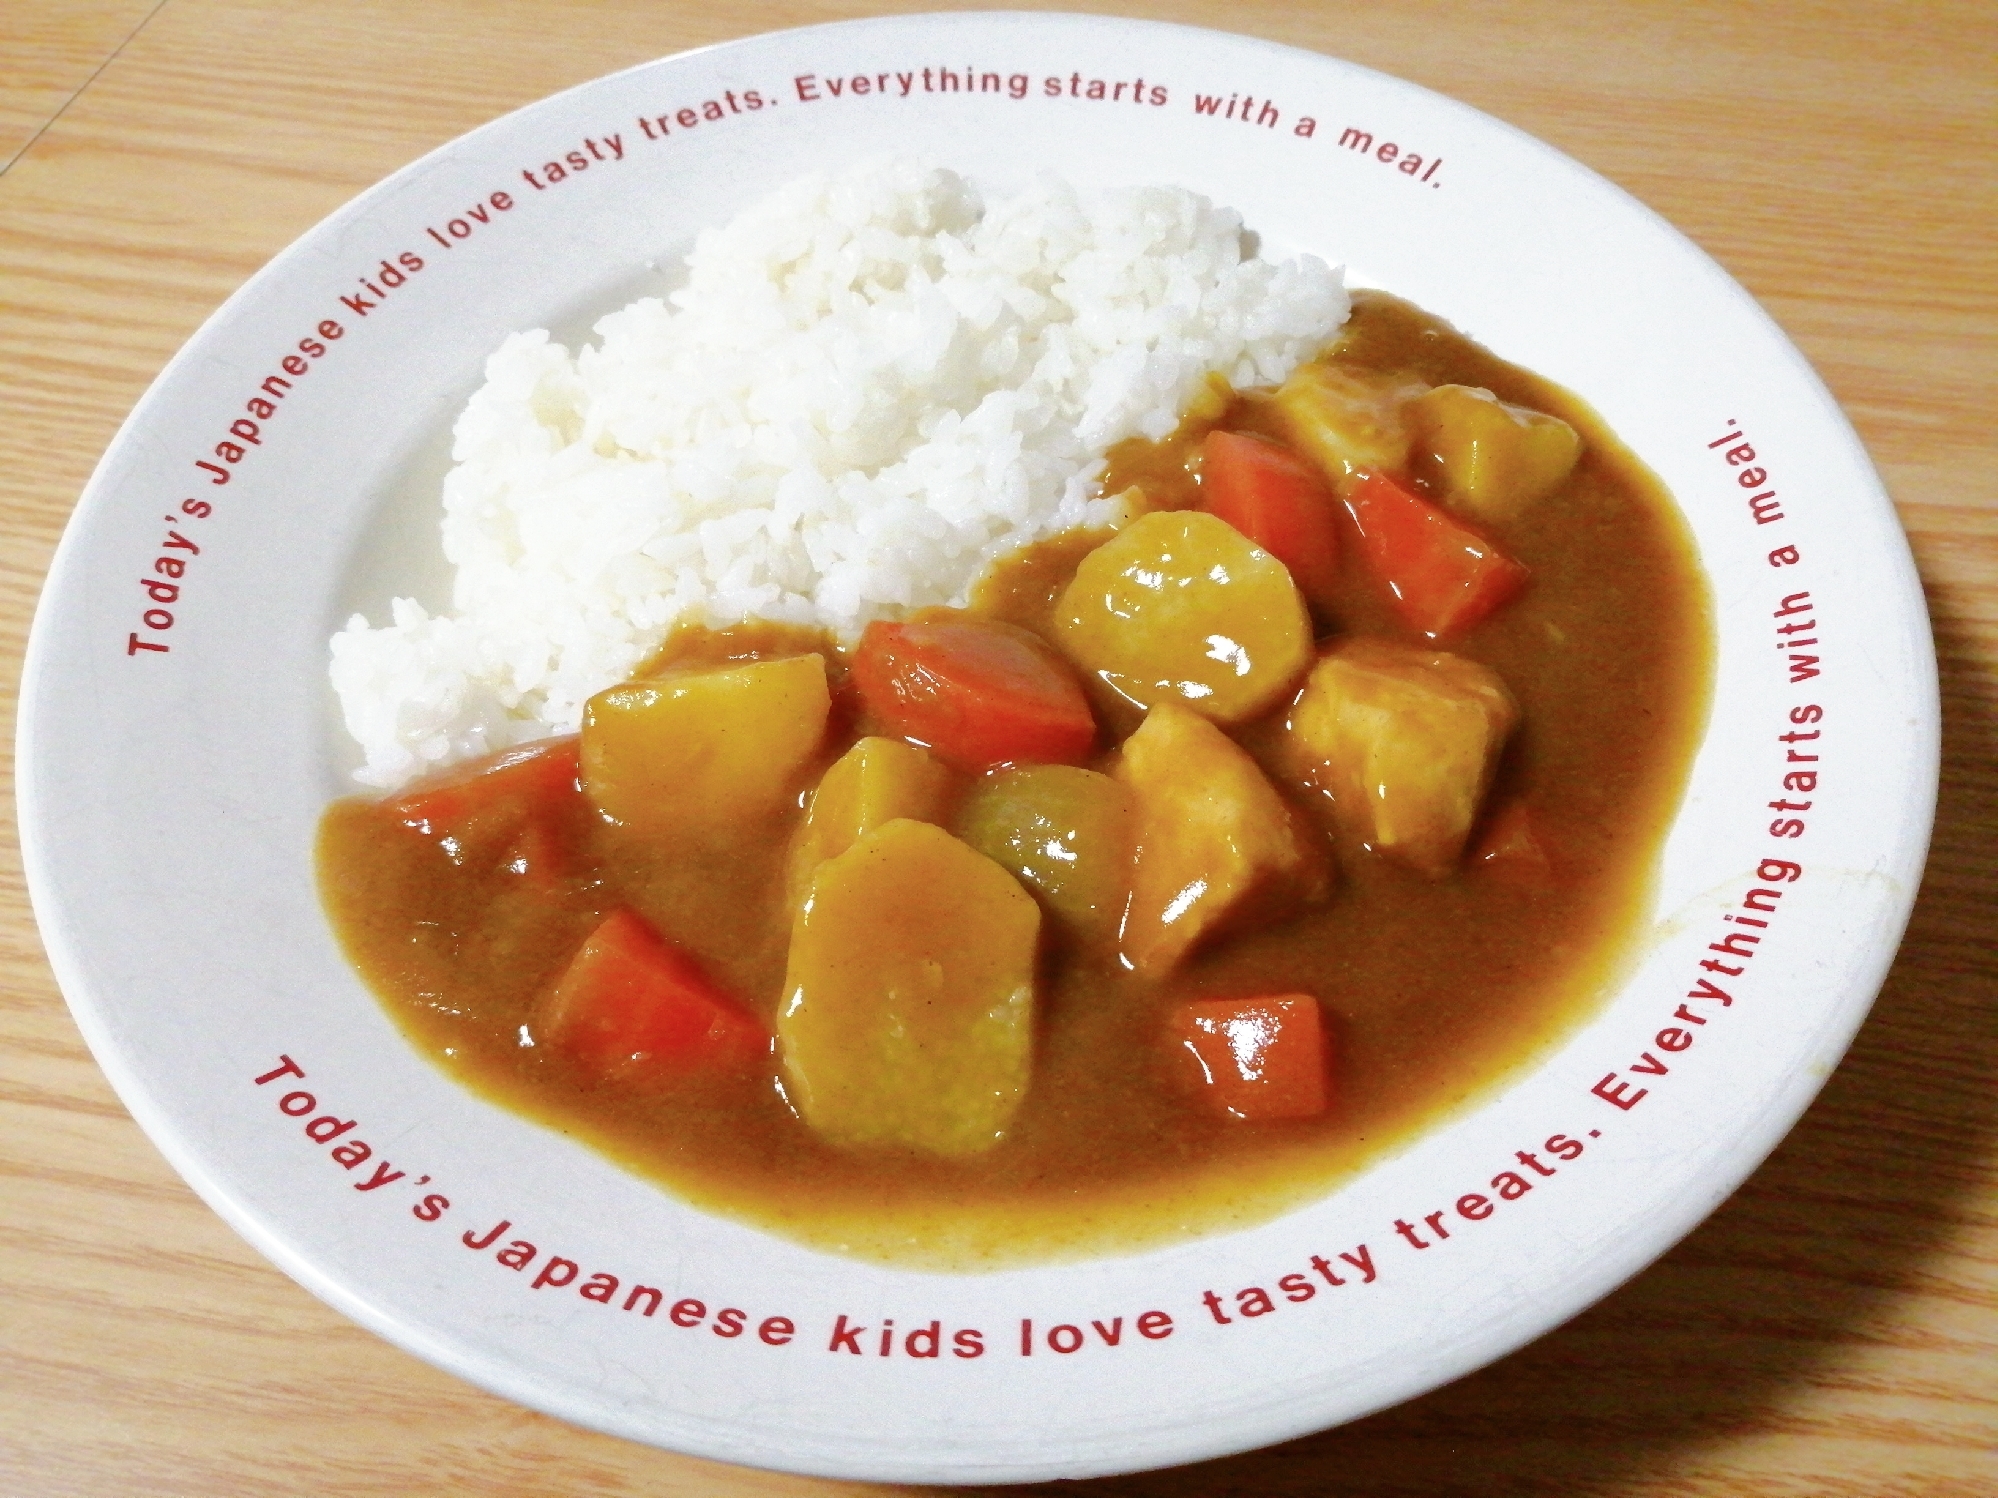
[169,795]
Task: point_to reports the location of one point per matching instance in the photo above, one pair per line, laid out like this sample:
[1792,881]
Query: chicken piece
[1405,741]
[874,782]
[1495,460]
[1346,421]
[704,752]
[1215,842]
[908,1011]
[1182,607]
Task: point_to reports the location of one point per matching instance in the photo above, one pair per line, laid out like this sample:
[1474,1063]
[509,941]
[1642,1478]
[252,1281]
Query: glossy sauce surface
[1433,990]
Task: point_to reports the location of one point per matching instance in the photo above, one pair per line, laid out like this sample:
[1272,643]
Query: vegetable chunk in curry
[1183,872]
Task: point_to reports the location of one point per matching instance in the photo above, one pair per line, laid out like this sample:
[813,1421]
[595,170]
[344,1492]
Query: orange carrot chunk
[632,1005]
[1255,1059]
[1511,846]
[526,777]
[977,693]
[513,808]
[1444,577]
[1279,501]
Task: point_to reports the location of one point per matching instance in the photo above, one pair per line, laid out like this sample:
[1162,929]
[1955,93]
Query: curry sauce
[1433,989]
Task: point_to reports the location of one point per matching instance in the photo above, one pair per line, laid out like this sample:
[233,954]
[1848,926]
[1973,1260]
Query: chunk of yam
[704,752]
[873,783]
[1182,607]
[908,1011]
[1405,741]
[1215,842]
[1495,460]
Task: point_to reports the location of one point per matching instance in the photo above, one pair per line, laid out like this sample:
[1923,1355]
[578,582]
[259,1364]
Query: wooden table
[1832,1330]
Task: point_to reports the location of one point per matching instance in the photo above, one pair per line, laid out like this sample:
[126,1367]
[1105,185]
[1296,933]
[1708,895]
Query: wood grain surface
[1832,1330]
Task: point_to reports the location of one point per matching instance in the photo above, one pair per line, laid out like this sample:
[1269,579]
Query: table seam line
[95,73]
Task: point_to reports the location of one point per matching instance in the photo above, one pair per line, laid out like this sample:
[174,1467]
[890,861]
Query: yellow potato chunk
[1063,832]
[1495,460]
[1180,606]
[1346,420]
[701,752]
[1214,839]
[875,781]
[1405,741]
[908,1011]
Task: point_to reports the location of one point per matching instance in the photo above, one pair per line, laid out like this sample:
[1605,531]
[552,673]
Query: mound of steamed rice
[870,387]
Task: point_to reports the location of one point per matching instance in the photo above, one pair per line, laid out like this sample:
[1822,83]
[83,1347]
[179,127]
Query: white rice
[870,387]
